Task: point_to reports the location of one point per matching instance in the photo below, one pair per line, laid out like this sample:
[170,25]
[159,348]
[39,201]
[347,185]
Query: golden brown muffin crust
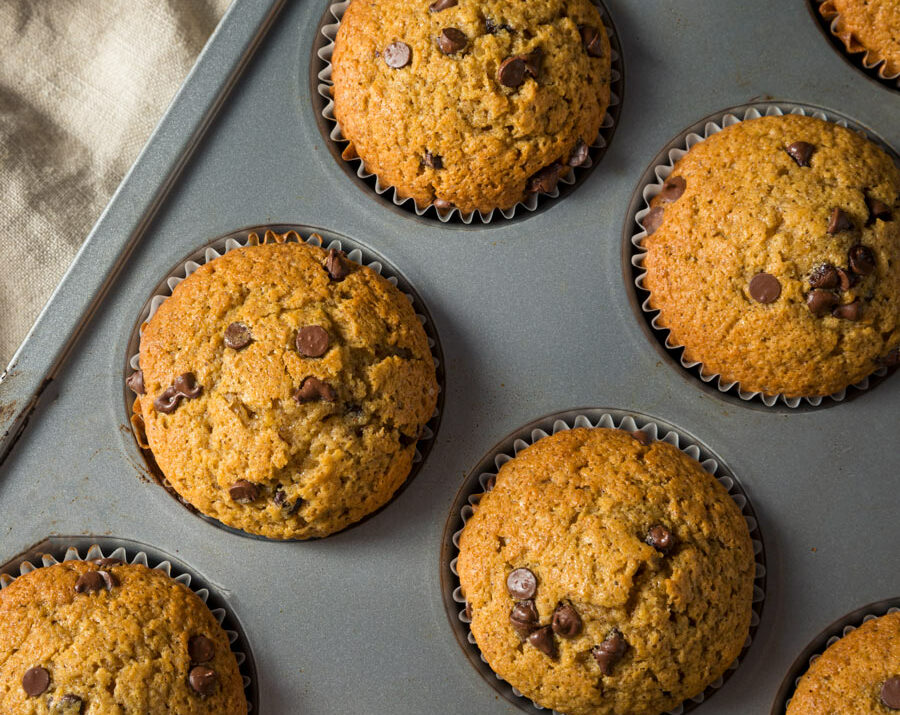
[313,466]
[849,675]
[490,138]
[122,651]
[575,509]
[749,208]
[870,25]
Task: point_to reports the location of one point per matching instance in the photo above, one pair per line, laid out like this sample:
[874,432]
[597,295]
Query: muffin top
[605,575]
[774,255]
[858,674]
[466,101]
[872,26]
[107,637]
[284,388]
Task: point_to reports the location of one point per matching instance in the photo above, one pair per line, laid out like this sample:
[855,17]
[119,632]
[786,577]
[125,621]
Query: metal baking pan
[535,316]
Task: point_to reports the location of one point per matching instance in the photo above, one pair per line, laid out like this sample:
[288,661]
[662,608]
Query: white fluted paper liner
[842,633]
[869,59]
[210,253]
[598,146]
[678,149]
[657,432]
[185,578]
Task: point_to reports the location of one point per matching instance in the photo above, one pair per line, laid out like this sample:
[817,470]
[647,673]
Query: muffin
[773,256]
[870,26]
[108,637]
[283,388]
[858,674]
[607,575]
[475,104]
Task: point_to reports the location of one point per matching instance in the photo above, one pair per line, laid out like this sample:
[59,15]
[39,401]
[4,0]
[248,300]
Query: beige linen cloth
[82,84]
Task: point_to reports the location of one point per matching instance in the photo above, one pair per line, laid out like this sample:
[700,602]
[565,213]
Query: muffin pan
[534,316]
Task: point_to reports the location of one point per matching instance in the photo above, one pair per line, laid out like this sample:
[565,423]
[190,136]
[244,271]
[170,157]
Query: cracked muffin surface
[129,640]
[463,103]
[637,560]
[284,389]
[774,256]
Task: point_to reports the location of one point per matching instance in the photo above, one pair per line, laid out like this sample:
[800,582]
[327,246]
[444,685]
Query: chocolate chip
[135,382]
[312,389]
[184,387]
[521,584]
[848,311]
[203,680]
[108,562]
[840,221]
[237,336]
[442,204]
[764,288]
[820,302]
[846,279]
[566,622]
[397,55]
[312,341]
[641,437]
[653,220]
[492,28]
[439,5]
[524,618]
[580,153]
[824,276]
[610,651]
[545,179]
[243,492]
[543,640]
[862,260]
[511,72]
[592,39]
[95,581]
[201,649]
[68,704]
[336,265]
[878,210]
[533,62]
[281,500]
[451,40]
[890,693]
[432,161]
[35,681]
[801,152]
[660,538]
[672,189]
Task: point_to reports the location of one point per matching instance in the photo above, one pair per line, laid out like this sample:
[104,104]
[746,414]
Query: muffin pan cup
[826,15]
[476,485]
[568,182]
[828,637]
[356,252]
[651,184]
[58,549]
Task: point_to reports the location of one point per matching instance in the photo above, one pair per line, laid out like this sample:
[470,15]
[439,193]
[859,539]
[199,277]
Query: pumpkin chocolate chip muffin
[470,103]
[859,674]
[85,638]
[773,256]
[605,574]
[283,389]
[870,26]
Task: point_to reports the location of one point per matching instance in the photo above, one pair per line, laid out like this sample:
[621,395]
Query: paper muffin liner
[62,549]
[827,638]
[480,481]
[660,172]
[571,176]
[870,60]
[356,252]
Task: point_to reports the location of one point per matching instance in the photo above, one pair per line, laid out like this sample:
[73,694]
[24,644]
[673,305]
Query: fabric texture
[82,85]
